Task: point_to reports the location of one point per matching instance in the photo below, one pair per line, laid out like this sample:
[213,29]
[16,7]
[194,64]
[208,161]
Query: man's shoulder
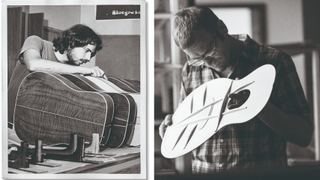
[36,42]
[34,38]
[258,54]
[269,53]
[264,54]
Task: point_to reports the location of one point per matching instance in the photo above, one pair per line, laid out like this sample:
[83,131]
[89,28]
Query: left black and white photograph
[74,90]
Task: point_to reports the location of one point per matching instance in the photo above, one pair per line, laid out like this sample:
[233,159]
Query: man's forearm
[56,67]
[293,128]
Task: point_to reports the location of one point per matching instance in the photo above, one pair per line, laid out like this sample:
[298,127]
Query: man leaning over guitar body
[76,46]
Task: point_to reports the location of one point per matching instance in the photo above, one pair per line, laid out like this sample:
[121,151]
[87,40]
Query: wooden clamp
[71,148]
[73,152]
[19,159]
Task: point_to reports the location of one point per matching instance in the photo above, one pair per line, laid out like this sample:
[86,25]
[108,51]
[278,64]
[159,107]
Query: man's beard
[70,58]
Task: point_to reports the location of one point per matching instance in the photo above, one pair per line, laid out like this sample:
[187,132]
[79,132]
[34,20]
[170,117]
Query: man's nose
[88,56]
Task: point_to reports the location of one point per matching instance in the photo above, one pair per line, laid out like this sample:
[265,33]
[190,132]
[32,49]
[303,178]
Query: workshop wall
[123,36]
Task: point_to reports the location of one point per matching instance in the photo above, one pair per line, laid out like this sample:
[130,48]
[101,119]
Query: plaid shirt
[252,144]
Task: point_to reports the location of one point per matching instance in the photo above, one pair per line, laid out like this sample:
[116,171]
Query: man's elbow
[307,138]
[32,60]
[306,142]
[31,66]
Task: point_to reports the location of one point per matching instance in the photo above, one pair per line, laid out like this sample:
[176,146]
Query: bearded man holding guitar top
[212,53]
[64,55]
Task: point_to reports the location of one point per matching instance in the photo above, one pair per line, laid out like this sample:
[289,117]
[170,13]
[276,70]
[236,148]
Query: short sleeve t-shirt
[45,49]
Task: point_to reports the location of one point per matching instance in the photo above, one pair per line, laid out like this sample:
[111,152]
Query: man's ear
[67,50]
[222,28]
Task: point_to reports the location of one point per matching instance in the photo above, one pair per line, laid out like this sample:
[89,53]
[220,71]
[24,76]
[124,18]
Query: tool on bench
[73,152]
[25,155]
[19,160]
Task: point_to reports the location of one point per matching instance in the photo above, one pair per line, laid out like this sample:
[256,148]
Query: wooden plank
[127,167]
[121,163]
[36,24]
[37,168]
[15,30]
[316,99]
[51,33]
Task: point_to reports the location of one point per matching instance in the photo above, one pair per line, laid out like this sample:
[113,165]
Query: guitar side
[109,87]
[124,112]
[41,112]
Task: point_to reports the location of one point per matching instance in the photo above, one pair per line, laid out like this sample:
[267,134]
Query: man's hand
[165,123]
[237,99]
[96,71]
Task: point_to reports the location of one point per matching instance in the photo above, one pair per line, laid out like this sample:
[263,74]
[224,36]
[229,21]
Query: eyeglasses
[200,61]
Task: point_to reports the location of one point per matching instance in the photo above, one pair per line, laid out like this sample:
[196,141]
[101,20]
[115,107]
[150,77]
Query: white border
[146,78]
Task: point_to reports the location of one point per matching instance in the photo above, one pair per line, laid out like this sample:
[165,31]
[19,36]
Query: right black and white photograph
[236,89]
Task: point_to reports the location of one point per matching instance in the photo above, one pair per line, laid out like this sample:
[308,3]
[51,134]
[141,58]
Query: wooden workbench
[124,160]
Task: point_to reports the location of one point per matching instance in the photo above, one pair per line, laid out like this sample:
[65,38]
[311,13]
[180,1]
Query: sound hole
[238,99]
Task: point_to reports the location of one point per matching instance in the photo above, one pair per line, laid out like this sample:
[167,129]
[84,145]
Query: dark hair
[188,20]
[77,36]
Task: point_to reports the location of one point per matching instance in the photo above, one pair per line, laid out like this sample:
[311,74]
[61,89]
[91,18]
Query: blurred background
[290,25]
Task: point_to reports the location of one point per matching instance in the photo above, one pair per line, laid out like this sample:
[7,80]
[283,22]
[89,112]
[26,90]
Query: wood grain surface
[125,111]
[49,107]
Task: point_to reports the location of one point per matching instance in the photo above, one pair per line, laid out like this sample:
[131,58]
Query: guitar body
[123,124]
[113,86]
[124,111]
[129,86]
[49,107]
[205,111]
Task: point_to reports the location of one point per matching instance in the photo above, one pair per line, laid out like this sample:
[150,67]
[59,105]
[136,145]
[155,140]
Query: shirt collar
[241,37]
[250,49]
